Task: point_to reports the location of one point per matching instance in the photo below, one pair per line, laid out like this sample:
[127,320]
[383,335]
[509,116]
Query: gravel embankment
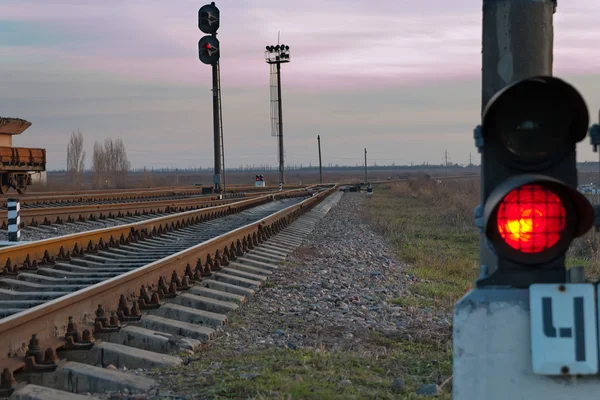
[340,284]
[334,291]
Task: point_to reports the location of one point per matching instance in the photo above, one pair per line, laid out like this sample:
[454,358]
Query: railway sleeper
[179,323]
[84,378]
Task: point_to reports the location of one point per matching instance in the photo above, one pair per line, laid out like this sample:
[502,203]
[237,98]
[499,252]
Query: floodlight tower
[275,56]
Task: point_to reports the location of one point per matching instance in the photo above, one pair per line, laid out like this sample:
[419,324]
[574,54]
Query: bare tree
[98,165]
[110,164]
[75,157]
[121,163]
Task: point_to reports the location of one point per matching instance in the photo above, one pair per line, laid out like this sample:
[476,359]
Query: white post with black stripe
[14,220]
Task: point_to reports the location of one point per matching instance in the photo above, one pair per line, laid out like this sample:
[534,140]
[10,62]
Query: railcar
[18,165]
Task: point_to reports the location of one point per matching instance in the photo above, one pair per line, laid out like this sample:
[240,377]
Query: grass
[585,251]
[430,226]
[313,373]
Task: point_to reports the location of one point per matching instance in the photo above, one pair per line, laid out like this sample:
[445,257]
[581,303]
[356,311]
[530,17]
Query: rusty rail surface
[29,255]
[93,212]
[111,195]
[67,197]
[49,320]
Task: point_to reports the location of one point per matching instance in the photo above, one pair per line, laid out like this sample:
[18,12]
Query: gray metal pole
[518,43]
[320,164]
[366,178]
[222,141]
[217,129]
[281,161]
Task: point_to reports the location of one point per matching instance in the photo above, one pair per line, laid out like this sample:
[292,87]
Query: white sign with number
[564,339]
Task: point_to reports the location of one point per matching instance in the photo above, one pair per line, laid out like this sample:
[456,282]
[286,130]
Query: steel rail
[49,320]
[24,255]
[74,196]
[38,216]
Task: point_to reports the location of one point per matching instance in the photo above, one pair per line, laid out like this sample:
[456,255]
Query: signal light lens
[531,218]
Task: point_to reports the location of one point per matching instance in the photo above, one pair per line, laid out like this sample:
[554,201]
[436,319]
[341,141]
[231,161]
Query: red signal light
[207,46]
[531,218]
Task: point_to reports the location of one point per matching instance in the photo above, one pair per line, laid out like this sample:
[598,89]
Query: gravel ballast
[337,291]
[340,284]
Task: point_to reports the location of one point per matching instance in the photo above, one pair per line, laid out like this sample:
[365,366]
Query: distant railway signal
[259,181]
[208,49]
[531,207]
[209,18]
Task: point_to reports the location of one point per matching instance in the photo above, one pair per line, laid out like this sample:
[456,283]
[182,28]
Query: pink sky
[361,48]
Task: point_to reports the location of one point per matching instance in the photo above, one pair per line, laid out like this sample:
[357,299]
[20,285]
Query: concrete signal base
[492,352]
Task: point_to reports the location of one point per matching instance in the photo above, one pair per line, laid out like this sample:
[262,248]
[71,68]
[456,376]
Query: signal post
[209,53]
[529,328]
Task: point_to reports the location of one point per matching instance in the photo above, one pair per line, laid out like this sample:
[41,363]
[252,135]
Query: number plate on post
[564,339]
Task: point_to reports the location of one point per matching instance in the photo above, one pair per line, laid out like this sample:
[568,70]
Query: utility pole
[320,164]
[366,178]
[445,160]
[275,55]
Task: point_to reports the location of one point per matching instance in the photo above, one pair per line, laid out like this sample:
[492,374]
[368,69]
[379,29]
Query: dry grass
[61,180]
[283,374]
[431,227]
[585,251]
[455,201]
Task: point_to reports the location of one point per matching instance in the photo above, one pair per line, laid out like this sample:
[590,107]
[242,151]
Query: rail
[27,254]
[49,215]
[145,193]
[49,320]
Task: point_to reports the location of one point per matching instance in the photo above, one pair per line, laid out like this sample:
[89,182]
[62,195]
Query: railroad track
[140,294]
[93,212]
[76,202]
[67,198]
[106,196]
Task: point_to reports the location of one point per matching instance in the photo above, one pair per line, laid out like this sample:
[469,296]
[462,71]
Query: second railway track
[92,212]
[139,296]
[63,199]
[29,289]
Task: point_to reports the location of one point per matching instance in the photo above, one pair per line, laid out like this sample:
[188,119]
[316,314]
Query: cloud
[338,44]
[399,77]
